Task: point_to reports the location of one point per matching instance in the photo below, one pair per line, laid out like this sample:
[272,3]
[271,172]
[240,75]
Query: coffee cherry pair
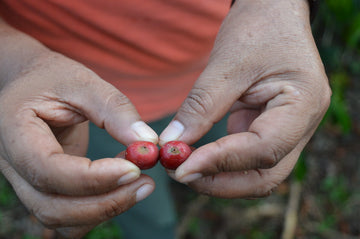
[146,154]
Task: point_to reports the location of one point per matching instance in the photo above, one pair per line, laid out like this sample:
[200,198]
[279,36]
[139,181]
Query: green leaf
[341,8]
[300,169]
[194,226]
[353,38]
[338,111]
[105,231]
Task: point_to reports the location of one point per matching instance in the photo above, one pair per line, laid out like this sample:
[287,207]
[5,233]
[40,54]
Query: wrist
[17,50]
[306,8]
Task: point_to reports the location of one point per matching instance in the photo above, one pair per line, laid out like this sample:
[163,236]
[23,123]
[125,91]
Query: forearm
[296,8]
[254,25]
[16,50]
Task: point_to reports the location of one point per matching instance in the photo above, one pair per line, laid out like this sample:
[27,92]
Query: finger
[56,211]
[247,183]
[40,159]
[73,139]
[204,106]
[272,135]
[101,103]
[241,116]
[29,144]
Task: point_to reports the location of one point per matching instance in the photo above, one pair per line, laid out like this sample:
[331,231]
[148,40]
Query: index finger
[34,152]
[285,124]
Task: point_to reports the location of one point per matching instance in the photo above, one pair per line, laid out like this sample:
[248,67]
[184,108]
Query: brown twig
[291,216]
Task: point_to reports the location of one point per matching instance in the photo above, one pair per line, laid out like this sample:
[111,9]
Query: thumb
[108,108]
[209,100]
[67,99]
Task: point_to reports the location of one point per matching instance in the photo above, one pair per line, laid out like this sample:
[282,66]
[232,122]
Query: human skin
[266,71]
[46,100]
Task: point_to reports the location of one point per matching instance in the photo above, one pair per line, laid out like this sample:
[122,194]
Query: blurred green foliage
[336,190]
[106,230]
[338,112]
[300,168]
[257,233]
[7,196]
[194,227]
[337,33]
[26,236]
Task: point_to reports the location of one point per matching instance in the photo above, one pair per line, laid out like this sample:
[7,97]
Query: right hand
[43,138]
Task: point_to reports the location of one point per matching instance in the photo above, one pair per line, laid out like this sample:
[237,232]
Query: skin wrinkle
[95,182]
[37,124]
[274,152]
[244,57]
[31,173]
[55,218]
[195,102]
[84,183]
[113,210]
[54,111]
[113,99]
[264,190]
[229,159]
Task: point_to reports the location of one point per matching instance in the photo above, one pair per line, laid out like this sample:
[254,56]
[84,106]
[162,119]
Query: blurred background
[320,199]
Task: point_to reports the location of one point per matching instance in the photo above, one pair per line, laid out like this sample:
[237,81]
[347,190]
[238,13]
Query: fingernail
[129,177]
[144,191]
[190,178]
[174,130]
[144,132]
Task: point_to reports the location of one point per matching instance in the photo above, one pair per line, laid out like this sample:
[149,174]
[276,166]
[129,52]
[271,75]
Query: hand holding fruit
[266,72]
[45,101]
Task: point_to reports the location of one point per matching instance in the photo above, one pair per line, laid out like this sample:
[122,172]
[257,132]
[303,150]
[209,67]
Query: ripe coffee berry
[174,153]
[143,154]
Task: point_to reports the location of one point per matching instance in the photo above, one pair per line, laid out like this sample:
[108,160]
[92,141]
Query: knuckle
[202,187]
[84,76]
[268,160]
[264,190]
[199,101]
[93,186]
[114,208]
[40,183]
[230,162]
[117,100]
[270,157]
[91,180]
[47,218]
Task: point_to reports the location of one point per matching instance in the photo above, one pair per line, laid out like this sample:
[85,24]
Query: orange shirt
[151,50]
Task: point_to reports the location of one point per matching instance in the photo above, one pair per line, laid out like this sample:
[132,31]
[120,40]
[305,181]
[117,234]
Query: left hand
[266,71]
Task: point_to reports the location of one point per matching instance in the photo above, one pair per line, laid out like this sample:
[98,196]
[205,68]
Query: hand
[266,71]
[43,136]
